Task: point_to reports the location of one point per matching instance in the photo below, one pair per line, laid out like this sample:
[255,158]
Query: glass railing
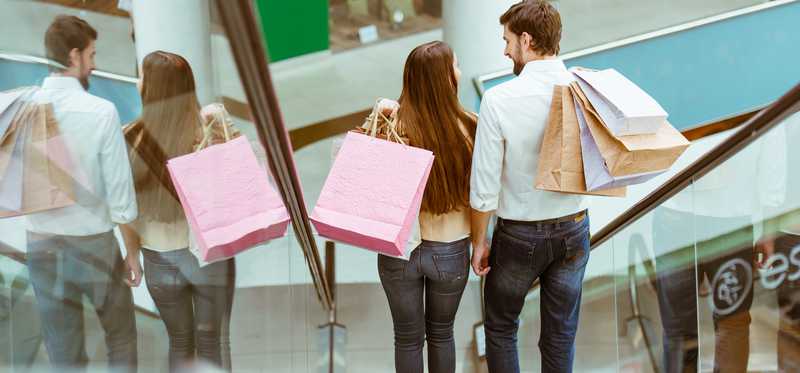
[701,275]
[61,309]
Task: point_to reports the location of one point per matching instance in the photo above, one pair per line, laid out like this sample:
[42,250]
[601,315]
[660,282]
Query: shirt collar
[61,82]
[551,65]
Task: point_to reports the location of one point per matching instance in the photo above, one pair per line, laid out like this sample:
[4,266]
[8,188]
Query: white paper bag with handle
[624,108]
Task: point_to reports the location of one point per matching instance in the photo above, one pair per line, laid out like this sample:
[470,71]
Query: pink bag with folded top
[372,196]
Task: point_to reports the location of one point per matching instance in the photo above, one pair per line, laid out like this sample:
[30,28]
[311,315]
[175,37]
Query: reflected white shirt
[92,133]
[511,126]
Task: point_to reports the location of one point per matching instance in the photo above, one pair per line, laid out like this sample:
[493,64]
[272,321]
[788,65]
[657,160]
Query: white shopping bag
[625,108]
[10,103]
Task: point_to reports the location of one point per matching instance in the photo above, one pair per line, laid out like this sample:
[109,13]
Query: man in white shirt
[539,234]
[72,251]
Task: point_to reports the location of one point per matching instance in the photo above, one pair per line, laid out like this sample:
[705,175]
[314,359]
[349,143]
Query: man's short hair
[66,33]
[540,20]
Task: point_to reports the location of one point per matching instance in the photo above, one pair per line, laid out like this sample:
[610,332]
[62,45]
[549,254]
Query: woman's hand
[388,107]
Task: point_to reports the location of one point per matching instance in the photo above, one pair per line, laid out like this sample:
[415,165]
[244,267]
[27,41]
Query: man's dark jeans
[63,269]
[556,252]
[424,294]
[195,304]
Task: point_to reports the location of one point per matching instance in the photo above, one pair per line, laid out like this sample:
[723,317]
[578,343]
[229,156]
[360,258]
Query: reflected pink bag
[373,194]
[227,198]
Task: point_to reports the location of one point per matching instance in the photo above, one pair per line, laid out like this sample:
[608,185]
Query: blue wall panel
[711,71]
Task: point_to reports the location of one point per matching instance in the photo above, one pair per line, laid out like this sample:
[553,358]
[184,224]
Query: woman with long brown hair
[194,302]
[424,292]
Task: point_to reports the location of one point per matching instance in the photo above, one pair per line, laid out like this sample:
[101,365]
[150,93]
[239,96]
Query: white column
[182,27]
[473,30]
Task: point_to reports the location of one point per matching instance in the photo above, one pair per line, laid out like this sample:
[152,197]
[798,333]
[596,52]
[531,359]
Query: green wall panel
[294,27]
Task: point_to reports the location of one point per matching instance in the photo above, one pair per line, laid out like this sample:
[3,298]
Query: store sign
[731,285]
[779,268]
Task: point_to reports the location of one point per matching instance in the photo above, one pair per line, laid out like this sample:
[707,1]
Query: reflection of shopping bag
[227,198]
[624,108]
[372,196]
[626,160]
[11,156]
[560,166]
[10,102]
[44,163]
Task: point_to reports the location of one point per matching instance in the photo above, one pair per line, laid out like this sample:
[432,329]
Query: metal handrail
[239,21]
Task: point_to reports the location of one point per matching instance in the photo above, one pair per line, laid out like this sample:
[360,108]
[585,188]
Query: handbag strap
[151,153]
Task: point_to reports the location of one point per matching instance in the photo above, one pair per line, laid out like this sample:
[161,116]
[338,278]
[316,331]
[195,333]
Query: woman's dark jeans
[424,294]
[195,304]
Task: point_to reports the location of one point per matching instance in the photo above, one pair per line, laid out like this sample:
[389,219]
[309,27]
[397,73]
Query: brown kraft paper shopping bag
[560,166]
[47,183]
[634,154]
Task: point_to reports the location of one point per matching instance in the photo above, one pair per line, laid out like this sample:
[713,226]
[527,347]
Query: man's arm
[116,170]
[480,245]
[133,268]
[487,167]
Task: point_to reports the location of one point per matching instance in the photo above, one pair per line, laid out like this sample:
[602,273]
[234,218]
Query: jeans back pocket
[576,247]
[451,267]
[514,255]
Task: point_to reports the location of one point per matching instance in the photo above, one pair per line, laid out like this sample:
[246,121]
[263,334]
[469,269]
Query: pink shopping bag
[373,194]
[227,198]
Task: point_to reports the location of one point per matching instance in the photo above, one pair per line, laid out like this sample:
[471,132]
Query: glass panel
[597,342]
[743,214]
[653,257]
[65,303]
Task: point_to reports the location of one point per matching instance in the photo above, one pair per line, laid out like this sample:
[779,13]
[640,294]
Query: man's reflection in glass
[781,271]
[72,251]
[705,236]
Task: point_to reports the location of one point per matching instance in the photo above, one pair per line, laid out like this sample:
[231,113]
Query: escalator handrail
[754,128]
[249,51]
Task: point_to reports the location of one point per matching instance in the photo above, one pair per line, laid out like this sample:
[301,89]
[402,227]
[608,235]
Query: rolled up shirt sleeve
[487,160]
[117,175]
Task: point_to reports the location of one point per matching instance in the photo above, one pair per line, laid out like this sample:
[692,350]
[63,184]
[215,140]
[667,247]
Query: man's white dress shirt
[91,131]
[513,117]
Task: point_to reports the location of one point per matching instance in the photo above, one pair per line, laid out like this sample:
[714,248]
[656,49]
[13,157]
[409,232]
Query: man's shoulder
[505,89]
[78,102]
[99,104]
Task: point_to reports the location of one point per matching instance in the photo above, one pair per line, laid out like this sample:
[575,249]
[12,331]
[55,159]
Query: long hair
[171,117]
[432,118]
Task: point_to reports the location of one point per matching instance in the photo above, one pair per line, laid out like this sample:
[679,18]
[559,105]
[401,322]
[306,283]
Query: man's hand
[480,258]
[133,271]
[764,249]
